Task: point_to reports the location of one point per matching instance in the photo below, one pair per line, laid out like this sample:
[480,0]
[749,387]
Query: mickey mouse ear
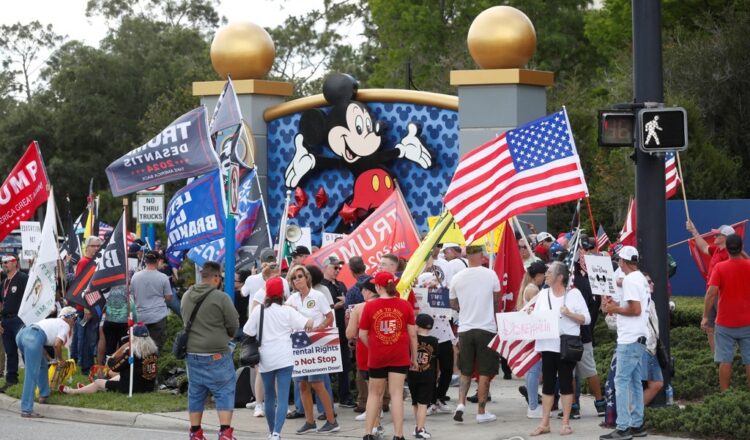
[340,87]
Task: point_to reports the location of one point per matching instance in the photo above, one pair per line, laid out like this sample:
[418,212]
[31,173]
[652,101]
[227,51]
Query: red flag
[627,234]
[702,260]
[389,229]
[24,190]
[509,269]
[529,167]
[521,355]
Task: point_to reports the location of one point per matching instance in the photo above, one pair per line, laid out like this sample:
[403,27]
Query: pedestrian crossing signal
[661,129]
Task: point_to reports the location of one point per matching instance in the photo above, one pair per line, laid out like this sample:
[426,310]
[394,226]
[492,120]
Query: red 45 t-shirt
[386,320]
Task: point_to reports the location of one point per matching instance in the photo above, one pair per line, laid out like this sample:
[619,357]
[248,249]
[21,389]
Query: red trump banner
[23,190]
[388,230]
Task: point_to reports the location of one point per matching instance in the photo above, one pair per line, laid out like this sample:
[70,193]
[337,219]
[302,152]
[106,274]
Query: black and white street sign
[662,129]
[150,208]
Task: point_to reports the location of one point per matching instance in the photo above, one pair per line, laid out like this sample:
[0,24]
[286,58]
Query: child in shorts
[422,379]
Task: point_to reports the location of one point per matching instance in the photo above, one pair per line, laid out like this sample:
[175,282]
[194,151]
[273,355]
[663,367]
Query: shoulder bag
[250,349]
[179,347]
[571,346]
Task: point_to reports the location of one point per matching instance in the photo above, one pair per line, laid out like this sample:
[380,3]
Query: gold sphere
[501,37]
[243,50]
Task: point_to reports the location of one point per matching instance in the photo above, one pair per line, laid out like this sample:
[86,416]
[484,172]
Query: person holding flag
[86,332]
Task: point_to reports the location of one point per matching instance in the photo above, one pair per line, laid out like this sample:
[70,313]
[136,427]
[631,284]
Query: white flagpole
[131,360]
[682,184]
[282,227]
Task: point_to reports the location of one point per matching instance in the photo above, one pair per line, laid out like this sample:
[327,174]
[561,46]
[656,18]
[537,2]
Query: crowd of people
[390,348]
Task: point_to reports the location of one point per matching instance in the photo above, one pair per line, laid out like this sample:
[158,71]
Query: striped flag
[671,176]
[602,239]
[520,355]
[529,167]
[627,234]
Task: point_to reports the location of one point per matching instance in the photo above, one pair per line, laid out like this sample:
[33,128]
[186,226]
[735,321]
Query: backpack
[243,391]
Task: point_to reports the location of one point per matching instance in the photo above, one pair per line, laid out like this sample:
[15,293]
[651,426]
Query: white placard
[517,326]
[601,275]
[306,238]
[150,208]
[31,236]
[330,237]
[316,352]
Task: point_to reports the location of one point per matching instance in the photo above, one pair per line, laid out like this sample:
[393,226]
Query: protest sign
[24,190]
[331,237]
[31,236]
[181,150]
[515,326]
[601,275]
[316,352]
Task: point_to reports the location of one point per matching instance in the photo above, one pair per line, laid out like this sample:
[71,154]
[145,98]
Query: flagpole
[282,228]
[229,232]
[131,360]
[523,234]
[707,234]
[682,184]
[593,225]
[60,265]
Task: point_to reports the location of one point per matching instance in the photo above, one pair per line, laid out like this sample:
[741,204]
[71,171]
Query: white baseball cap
[725,230]
[451,245]
[542,236]
[628,253]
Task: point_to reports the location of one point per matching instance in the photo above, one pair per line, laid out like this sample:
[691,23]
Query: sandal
[540,430]
[566,430]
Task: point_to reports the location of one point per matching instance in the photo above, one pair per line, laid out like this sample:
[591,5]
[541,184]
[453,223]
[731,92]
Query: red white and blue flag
[316,352]
[521,355]
[602,239]
[321,338]
[529,167]
[671,176]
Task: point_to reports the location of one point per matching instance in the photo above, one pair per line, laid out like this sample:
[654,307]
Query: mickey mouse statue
[355,140]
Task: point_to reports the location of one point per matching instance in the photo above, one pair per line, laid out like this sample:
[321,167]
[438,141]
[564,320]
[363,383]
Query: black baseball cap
[425,321]
[300,250]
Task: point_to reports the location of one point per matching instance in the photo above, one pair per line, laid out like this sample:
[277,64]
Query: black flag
[79,292]
[111,268]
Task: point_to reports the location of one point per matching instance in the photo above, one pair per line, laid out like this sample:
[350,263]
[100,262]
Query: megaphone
[293,233]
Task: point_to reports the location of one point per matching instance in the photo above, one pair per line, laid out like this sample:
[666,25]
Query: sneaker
[443,407]
[307,427]
[458,415]
[617,435]
[421,433]
[432,410]
[385,408]
[486,417]
[536,413]
[454,380]
[275,436]
[368,437]
[475,398]
[322,417]
[259,412]
[329,427]
[361,417]
[525,393]
[294,414]
[601,407]
[348,404]
[639,432]
[378,432]
[575,413]
[197,435]
[227,434]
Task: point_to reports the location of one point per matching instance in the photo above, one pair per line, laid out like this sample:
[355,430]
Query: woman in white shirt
[276,361]
[570,306]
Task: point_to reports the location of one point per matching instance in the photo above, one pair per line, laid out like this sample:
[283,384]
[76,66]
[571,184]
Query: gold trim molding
[502,76]
[244,86]
[448,102]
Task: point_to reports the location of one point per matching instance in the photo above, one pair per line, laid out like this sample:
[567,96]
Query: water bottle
[670,395]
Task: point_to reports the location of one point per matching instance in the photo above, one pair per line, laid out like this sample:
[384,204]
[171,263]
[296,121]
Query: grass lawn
[107,400]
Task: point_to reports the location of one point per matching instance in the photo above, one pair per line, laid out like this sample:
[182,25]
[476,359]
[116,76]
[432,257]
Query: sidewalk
[507,404]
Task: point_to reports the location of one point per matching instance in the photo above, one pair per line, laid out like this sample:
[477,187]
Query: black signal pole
[651,207]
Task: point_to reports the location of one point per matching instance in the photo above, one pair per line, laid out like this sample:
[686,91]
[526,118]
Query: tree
[21,45]
[197,14]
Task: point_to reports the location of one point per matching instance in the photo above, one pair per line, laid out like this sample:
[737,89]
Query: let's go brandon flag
[24,190]
[529,167]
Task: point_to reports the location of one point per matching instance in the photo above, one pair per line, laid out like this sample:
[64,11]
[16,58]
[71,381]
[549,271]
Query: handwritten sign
[601,275]
[31,237]
[517,326]
[316,352]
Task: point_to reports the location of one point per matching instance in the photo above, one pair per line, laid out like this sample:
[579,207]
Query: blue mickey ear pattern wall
[354,146]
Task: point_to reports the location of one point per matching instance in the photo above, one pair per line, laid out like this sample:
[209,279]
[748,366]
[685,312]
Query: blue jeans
[276,406]
[206,374]
[629,391]
[298,399]
[31,341]
[11,329]
[532,384]
[85,339]
[175,305]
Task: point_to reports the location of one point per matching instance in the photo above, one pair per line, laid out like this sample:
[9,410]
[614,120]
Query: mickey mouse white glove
[300,165]
[411,148]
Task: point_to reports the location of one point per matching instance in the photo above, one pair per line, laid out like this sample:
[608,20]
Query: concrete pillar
[492,101]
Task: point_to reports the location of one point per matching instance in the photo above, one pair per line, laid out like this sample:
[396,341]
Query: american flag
[529,167]
[520,355]
[325,337]
[671,175]
[105,230]
[602,239]
[627,233]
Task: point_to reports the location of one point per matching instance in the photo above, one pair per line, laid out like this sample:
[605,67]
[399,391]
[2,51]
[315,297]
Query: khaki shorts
[586,367]
[474,355]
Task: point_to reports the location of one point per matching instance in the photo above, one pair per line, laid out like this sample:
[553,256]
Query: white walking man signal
[651,128]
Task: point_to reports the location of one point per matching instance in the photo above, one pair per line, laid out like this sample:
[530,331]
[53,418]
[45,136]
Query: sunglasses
[299,277]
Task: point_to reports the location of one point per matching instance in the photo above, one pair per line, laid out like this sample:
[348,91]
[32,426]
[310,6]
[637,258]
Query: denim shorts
[650,369]
[724,340]
[310,378]
[214,374]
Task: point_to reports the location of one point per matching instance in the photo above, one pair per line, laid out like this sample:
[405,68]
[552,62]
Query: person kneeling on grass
[145,357]
[31,340]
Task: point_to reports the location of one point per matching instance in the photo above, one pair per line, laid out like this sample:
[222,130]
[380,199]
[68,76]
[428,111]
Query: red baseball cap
[274,288]
[382,278]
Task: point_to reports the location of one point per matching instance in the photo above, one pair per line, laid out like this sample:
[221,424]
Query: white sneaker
[361,417]
[378,432]
[458,414]
[432,409]
[537,413]
[486,417]
[259,410]
[275,436]
[444,408]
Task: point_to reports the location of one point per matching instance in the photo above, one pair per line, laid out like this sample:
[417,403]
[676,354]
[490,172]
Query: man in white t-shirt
[452,254]
[51,332]
[474,293]
[632,330]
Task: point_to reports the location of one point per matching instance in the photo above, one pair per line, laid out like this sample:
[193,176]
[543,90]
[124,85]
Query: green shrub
[167,361]
[688,312]
[722,415]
